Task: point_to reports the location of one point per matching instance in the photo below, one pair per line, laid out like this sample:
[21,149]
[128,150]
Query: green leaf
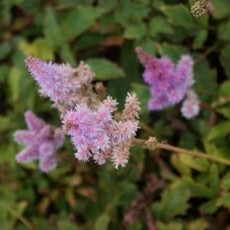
[224,90]
[221,9]
[108,4]
[52,30]
[102,222]
[173,51]
[225,111]
[105,69]
[224,58]
[135,31]
[205,78]
[175,225]
[224,200]
[225,182]
[200,38]
[198,164]
[5,49]
[130,12]
[224,31]
[67,54]
[197,189]
[219,131]
[179,15]
[180,166]
[79,20]
[40,48]
[214,178]
[174,202]
[67,225]
[159,25]
[142,92]
[209,207]
[200,224]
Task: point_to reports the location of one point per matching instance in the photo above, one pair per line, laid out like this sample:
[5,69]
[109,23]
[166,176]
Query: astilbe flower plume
[64,85]
[96,134]
[168,83]
[41,142]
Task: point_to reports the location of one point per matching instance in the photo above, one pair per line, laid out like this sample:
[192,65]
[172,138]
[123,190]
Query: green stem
[178,150]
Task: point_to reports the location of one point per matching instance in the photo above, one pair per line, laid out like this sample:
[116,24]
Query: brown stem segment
[153,144]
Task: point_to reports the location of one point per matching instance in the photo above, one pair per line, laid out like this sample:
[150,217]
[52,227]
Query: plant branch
[153,144]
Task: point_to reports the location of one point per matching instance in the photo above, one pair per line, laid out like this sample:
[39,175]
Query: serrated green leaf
[159,25]
[179,15]
[130,12]
[218,131]
[79,20]
[174,202]
[105,69]
[198,190]
[135,31]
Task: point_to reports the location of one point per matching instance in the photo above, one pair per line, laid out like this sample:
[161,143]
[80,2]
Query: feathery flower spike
[40,141]
[96,134]
[63,84]
[168,83]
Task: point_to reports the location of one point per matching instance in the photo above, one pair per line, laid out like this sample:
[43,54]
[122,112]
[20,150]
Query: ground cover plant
[115,114]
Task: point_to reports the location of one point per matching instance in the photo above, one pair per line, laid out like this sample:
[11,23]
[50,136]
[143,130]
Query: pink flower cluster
[169,84]
[41,142]
[94,131]
[64,85]
[96,134]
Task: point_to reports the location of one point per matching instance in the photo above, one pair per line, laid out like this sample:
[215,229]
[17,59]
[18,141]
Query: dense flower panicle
[168,83]
[132,108]
[41,142]
[61,83]
[96,134]
[190,106]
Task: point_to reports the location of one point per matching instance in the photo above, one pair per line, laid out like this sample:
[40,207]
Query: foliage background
[170,191]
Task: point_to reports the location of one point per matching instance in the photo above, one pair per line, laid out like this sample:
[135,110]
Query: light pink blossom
[41,142]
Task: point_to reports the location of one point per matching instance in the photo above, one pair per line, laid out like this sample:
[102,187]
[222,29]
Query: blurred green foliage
[104,33]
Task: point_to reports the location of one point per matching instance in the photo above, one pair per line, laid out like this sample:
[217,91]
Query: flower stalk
[153,144]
